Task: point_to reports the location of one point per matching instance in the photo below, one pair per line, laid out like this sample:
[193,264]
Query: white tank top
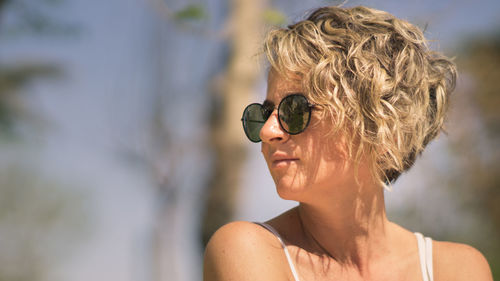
[424,251]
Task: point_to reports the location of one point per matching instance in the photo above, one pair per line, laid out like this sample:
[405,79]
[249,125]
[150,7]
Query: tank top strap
[287,254]
[425,254]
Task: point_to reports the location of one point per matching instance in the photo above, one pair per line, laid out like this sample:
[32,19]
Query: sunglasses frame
[310,106]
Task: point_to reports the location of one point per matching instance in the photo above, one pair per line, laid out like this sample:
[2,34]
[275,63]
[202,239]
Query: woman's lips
[283,162]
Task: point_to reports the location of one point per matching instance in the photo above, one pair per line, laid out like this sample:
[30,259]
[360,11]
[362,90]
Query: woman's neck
[352,229]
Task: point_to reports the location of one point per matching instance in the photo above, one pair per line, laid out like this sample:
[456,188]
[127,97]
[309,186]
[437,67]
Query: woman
[354,96]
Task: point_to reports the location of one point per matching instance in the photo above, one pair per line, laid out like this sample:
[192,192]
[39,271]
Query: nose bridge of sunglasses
[292,115]
[272,116]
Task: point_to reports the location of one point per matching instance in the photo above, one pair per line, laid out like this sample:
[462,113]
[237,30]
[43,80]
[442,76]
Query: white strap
[428,257]
[425,255]
[292,267]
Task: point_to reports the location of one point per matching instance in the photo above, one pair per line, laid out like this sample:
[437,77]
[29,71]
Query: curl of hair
[376,78]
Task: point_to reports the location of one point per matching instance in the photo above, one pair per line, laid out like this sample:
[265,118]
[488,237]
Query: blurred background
[121,148]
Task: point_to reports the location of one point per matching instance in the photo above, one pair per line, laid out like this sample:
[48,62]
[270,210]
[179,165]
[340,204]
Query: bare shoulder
[455,261]
[243,251]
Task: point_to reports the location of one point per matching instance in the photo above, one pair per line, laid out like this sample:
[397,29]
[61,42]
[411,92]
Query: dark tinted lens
[253,120]
[294,114]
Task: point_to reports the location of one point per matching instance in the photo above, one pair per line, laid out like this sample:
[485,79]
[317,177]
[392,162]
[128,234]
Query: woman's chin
[289,191]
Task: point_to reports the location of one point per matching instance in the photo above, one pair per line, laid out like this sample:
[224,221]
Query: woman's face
[308,165]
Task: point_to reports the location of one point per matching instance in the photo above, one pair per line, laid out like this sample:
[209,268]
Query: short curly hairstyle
[383,87]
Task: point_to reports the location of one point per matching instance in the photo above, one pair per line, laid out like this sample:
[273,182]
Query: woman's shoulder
[241,234]
[243,251]
[456,261]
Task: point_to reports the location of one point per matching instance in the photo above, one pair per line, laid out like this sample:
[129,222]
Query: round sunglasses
[294,114]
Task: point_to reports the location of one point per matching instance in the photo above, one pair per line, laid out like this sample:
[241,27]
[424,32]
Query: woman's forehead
[279,86]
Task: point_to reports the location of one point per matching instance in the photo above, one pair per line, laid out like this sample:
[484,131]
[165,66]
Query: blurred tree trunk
[236,89]
[168,257]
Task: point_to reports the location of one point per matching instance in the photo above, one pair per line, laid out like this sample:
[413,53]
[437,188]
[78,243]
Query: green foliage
[479,155]
[483,62]
[13,78]
[24,17]
[274,17]
[40,220]
[33,17]
[191,12]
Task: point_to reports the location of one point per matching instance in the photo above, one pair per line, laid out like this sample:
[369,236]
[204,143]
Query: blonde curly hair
[382,86]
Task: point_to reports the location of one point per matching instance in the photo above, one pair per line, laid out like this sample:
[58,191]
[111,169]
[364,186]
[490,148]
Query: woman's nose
[272,131]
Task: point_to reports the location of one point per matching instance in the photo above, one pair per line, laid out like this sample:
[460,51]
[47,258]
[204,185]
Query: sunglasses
[294,114]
